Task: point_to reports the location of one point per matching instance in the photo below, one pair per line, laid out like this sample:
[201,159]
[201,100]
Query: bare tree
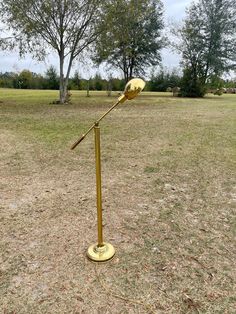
[65,26]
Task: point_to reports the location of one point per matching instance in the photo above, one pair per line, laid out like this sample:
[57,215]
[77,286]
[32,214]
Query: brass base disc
[101,253]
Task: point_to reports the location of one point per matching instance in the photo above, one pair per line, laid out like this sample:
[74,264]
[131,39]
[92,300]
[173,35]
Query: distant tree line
[164,80]
[125,34]
[51,80]
[160,81]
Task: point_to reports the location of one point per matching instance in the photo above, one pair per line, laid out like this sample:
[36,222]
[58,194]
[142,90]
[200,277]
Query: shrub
[191,86]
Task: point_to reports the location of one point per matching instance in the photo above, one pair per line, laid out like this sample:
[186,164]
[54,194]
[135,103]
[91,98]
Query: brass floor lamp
[103,251]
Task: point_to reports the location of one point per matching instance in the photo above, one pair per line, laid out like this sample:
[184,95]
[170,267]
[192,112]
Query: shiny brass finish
[132,89]
[101,253]
[98,184]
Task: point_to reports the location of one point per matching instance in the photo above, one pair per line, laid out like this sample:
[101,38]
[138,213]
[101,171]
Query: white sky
[10,61]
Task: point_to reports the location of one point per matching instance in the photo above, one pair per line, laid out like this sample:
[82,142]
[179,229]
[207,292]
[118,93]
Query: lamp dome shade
[133,88]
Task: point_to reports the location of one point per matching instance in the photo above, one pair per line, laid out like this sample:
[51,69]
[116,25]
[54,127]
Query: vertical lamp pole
[103,251]
[98,183]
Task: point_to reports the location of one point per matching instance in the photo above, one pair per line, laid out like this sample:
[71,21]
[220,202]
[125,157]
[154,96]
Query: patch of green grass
[150,169]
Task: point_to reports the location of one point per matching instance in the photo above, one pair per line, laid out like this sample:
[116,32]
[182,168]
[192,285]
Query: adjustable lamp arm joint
[122,99]
[132,89]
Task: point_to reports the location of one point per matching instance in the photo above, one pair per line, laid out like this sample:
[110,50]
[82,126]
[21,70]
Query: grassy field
[169,196]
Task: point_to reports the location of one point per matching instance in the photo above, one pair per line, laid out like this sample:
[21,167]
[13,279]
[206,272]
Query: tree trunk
[63,88]
[88,88]
[126,75]
[109,88]
[63,93]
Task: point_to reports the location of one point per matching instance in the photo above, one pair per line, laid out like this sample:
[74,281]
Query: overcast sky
[174,10]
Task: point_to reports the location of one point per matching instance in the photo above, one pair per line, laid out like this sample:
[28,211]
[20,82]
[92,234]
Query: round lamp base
[101,253]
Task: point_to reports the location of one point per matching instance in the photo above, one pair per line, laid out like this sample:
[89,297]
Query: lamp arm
[121,99]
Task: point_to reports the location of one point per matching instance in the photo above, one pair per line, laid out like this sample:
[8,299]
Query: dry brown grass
[169,195]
